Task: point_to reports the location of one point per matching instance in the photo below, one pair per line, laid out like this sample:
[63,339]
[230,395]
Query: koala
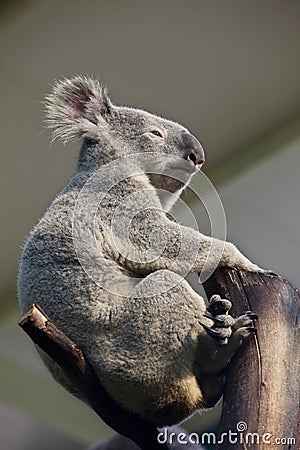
[107,263]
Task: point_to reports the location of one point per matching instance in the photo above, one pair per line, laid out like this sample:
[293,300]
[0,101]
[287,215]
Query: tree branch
[263,379]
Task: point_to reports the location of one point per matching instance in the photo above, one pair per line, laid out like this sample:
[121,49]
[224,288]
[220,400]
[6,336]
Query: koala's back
[50,273]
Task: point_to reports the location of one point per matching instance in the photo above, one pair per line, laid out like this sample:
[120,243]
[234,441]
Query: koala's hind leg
[156,342]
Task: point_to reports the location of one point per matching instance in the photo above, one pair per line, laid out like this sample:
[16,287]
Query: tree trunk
[261,399]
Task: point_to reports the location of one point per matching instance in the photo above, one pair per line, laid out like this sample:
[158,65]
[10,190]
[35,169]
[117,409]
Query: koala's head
[80,108]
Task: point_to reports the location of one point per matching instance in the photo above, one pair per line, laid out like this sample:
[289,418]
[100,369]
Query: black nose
[193,151]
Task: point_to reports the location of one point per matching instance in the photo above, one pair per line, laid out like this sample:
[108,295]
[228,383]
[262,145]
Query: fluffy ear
[77,107]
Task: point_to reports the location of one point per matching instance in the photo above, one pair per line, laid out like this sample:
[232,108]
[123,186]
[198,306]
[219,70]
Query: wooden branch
[263,379]
[76,366]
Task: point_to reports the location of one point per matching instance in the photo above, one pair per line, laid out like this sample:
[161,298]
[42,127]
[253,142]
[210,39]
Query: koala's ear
[77,107]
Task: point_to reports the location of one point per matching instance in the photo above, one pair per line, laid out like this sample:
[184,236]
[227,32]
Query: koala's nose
[193,151]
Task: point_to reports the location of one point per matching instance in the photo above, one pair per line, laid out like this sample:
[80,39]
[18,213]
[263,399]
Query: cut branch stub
[72,360]
[263,379]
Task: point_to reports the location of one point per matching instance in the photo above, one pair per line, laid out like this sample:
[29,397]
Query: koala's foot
[225,325]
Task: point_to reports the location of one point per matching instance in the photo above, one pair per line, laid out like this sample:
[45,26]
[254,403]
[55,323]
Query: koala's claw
[252,315]
[245,320]
[245,332]
[221,335]
[251,329]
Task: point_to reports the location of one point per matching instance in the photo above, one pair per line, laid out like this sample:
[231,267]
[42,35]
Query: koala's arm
[199,252]
[169,245]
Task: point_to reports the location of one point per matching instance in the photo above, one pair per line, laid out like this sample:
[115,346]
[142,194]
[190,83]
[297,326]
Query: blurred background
[229,71]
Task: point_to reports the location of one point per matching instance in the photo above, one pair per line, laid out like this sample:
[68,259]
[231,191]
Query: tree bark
[263,379]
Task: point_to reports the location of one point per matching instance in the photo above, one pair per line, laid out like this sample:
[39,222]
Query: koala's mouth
[194,166]
[188,167]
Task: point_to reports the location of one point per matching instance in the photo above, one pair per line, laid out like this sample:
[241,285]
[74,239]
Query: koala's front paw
[225,325]
[217,311]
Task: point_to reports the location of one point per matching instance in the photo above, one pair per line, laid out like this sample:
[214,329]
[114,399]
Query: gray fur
[145,341]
